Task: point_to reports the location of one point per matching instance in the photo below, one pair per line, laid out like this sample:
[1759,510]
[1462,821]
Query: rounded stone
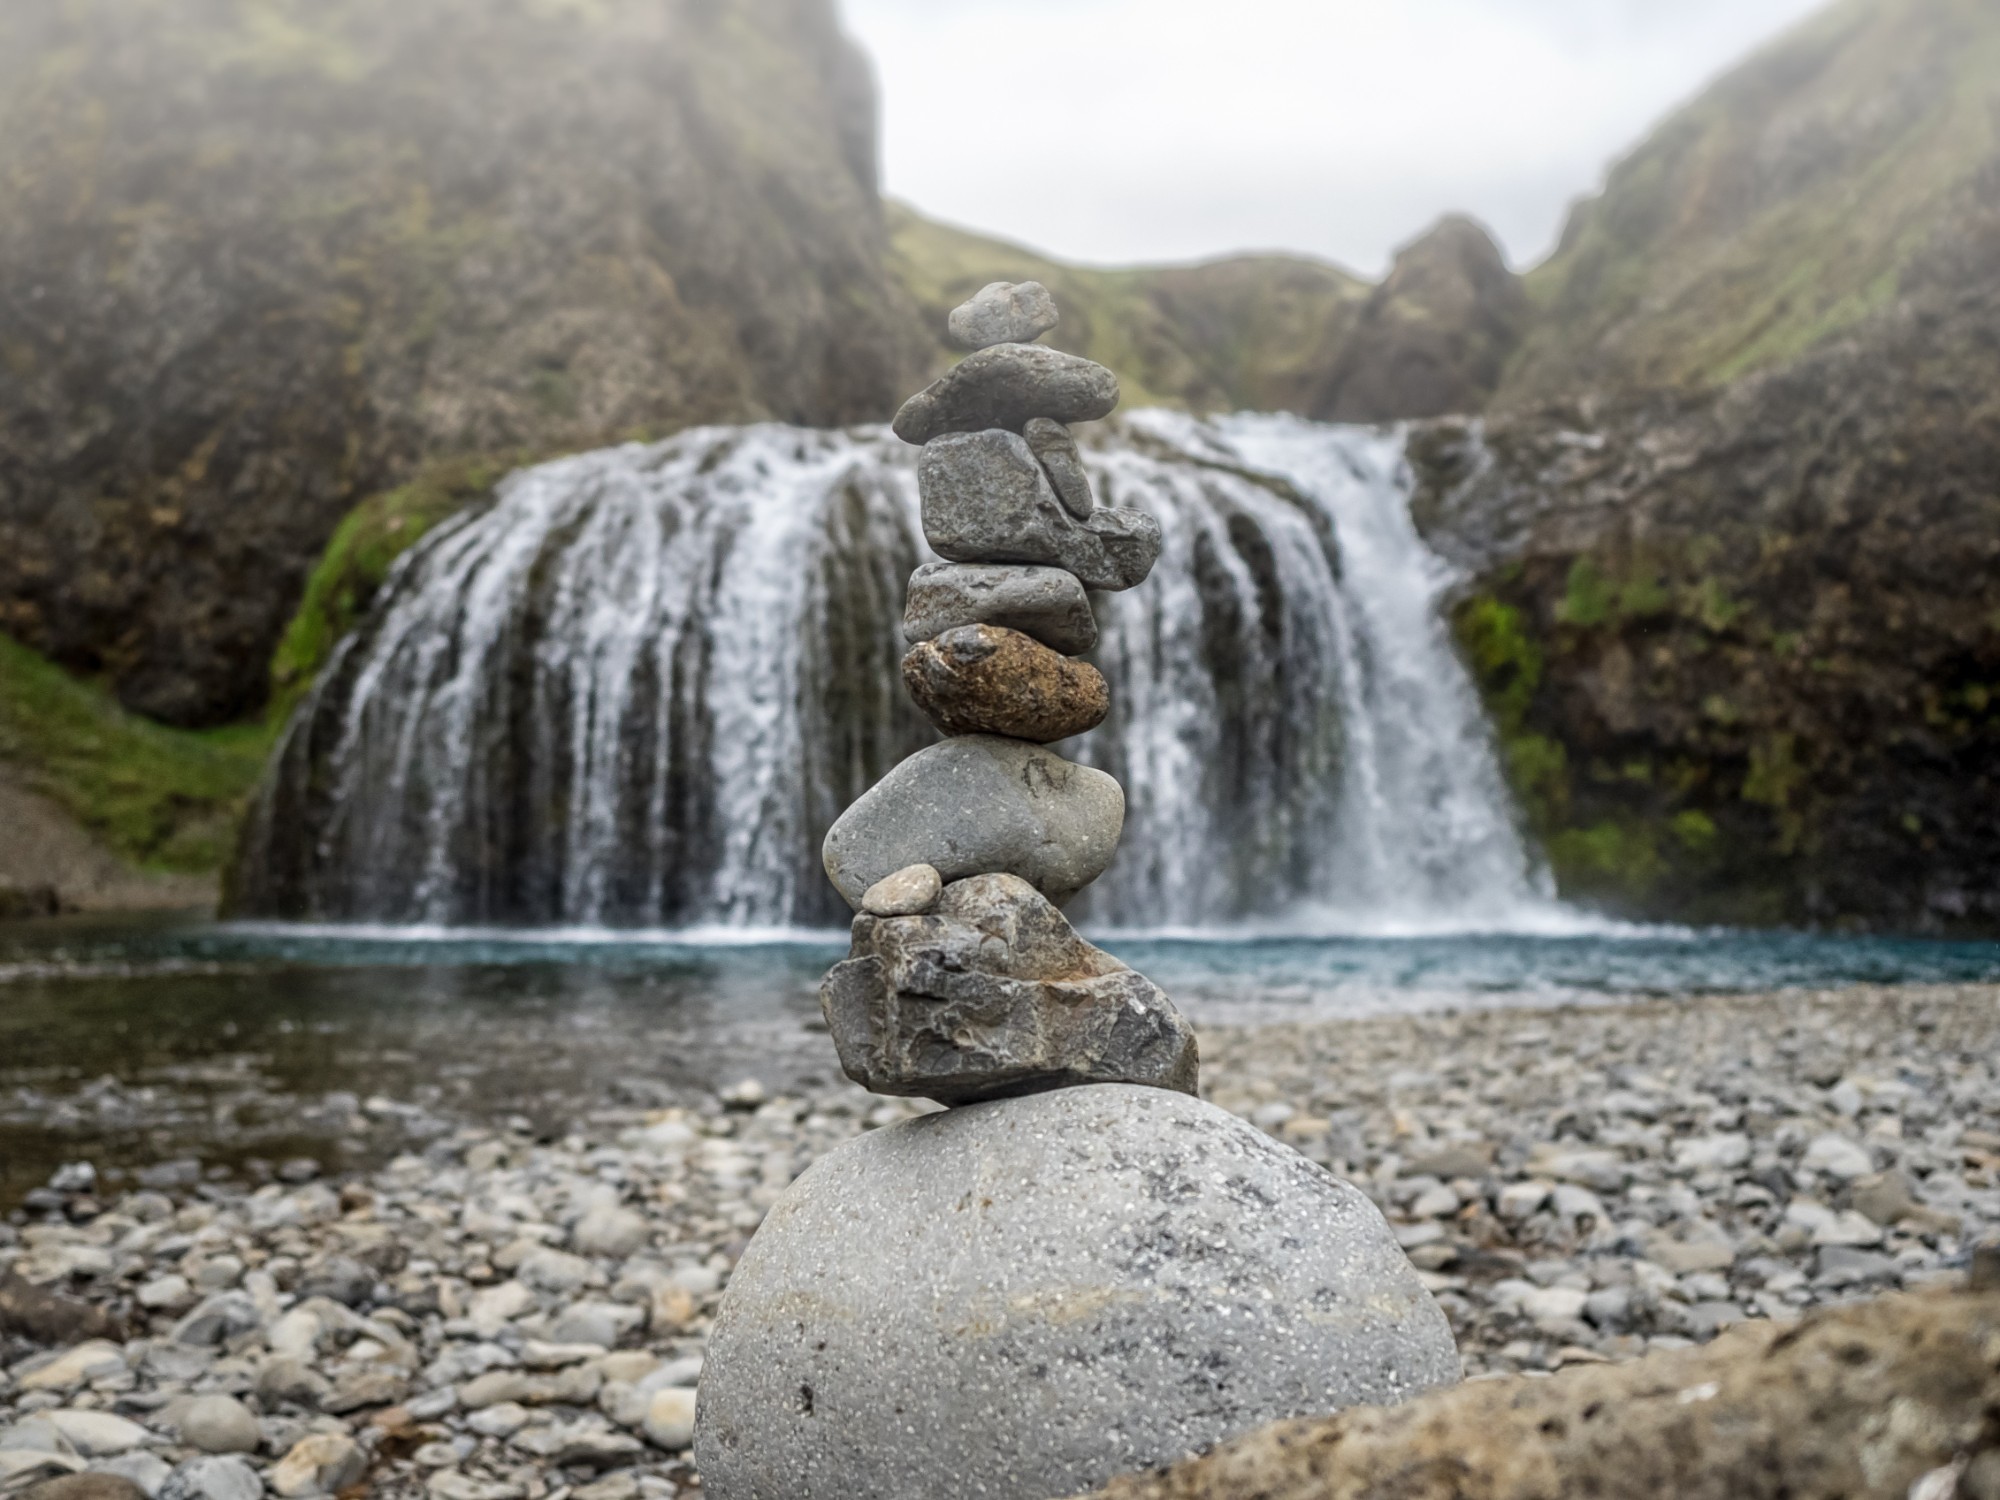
[1022,1299]
[220,1424]
[982,679]
[907,893]
[981,805]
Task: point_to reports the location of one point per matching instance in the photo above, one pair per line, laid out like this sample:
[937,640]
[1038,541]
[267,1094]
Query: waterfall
[636,687]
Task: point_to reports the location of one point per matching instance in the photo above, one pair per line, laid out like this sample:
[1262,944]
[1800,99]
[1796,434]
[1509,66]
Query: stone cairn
[1078,1269]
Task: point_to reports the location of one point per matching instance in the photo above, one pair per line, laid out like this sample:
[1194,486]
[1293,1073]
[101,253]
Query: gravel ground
[501,1316]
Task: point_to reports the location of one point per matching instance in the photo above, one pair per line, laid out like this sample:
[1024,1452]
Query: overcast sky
[1119,131]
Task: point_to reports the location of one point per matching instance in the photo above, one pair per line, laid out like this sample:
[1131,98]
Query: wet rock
[907,893]
[1003,313]
[1091,1248]
[219,1424]
[1055,446]
[981,805]
[987,499]
[1009,386]
[993,996]
[1046,603]
[982,679]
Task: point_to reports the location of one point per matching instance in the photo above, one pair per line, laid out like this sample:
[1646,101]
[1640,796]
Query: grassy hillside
[1253,331]
[162,799]
[1783,206]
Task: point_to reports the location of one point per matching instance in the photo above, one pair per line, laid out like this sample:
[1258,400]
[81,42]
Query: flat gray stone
[1046,603]
[994,996]
[987,499]
[1003,313]
[981,805]
[1055,446]
[1009,386]
[1022,1299]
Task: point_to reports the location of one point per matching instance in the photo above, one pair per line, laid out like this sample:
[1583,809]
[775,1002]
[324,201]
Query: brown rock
[1763,1412]
[982,679]
[42,1315]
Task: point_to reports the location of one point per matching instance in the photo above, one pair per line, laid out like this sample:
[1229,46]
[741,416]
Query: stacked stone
[966,983]
[1046,1284]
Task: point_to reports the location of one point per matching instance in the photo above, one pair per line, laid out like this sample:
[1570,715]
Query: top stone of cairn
[1004,313]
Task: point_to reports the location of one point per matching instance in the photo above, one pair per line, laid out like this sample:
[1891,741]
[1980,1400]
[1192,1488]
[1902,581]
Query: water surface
[238,1047]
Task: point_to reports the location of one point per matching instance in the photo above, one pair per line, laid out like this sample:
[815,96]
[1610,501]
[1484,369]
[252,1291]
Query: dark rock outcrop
[1435,337]
[258,267]
[1742,649]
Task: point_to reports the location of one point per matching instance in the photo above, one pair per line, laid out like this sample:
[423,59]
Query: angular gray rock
[1055,446]
[1046,603]
[1003,313]
[987,499]
[992,996]
[981,805]
[1009,386]
[1021,1299]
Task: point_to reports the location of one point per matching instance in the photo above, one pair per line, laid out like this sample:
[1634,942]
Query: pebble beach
[509,1312]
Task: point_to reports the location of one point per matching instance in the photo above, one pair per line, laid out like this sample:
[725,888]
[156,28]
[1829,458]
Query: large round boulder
[1019,1300]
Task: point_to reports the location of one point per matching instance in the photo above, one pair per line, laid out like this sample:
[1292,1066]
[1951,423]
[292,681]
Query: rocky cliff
[261,259]
[1742,646]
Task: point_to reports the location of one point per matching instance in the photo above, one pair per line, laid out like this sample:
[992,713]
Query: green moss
[1695,830]
[1587,600]
[1617,858]
[165,799]
[367,543]
[1709,602]
[1505,659]
[1774,779]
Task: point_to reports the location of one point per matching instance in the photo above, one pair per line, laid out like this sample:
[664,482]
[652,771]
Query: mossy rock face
[1742,652]
[1783,207]
[271,257]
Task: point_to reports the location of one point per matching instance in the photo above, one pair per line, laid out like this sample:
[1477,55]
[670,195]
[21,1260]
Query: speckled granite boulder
[1019,1300]
[993,996]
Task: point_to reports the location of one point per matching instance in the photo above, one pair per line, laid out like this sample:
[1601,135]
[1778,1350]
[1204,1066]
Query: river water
[230,1049]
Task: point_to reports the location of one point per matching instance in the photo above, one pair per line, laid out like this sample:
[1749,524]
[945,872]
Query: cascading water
[605,698]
